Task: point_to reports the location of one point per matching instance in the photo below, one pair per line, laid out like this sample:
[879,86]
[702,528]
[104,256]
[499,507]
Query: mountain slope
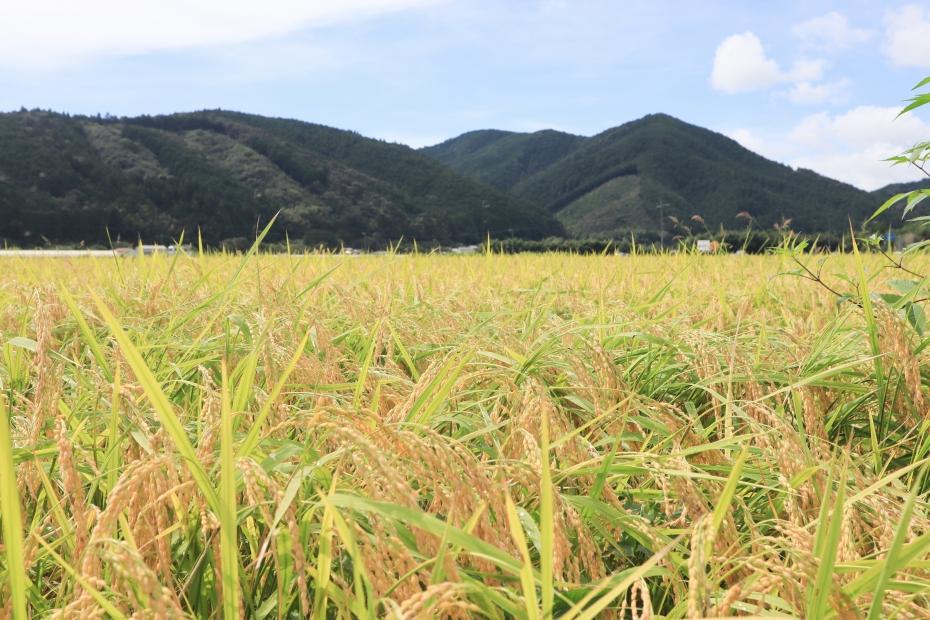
[503,158]
[72,179]
[884,193]
[610,184]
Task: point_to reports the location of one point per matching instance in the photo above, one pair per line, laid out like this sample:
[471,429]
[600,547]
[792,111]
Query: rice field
[489,436]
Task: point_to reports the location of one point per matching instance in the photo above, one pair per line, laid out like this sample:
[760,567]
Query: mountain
[504,158]
[72,179]
[610,183]
[884,193]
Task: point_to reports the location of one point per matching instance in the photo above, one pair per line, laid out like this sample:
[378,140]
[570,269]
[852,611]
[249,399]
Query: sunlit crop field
[490,436]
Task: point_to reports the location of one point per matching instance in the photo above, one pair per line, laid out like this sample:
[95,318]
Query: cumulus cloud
[827,92]
[741,65]
[863,168]
[50,33]
[907,36]
[860,126]
[805,70]
[852,146]
[830,33]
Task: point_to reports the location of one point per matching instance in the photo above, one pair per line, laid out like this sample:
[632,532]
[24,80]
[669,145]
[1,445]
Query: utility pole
[660,207]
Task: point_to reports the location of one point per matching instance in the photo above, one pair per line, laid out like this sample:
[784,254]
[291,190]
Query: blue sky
[813,83]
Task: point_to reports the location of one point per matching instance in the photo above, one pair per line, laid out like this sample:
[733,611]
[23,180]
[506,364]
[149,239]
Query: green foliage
[909,294]
[917,156]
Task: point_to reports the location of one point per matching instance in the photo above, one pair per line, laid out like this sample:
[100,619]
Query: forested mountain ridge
[610,184]
[72,179]
[504,158]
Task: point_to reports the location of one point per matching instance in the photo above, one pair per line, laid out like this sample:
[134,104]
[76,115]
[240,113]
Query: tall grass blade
[546,522]
[162,406]
[87,333]
[229,551]
[527,582]
[324,561]
[11,515]
[826,546]
[879,372]
[599,598]
[252,438]
[891,562]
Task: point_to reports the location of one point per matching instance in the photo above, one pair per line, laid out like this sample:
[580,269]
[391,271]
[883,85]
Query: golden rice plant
[425,436]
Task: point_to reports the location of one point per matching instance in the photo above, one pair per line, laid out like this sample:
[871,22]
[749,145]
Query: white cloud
[805,71]
[812,131]
[861,126]
[741,65]
[50,33]
[907,36]
[830,33]
[864,168]
[852,146]
[826,92]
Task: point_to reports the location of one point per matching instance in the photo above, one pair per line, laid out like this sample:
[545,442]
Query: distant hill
[73,179]
[610,184]
[884,193]
[70,179]
[504,158]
